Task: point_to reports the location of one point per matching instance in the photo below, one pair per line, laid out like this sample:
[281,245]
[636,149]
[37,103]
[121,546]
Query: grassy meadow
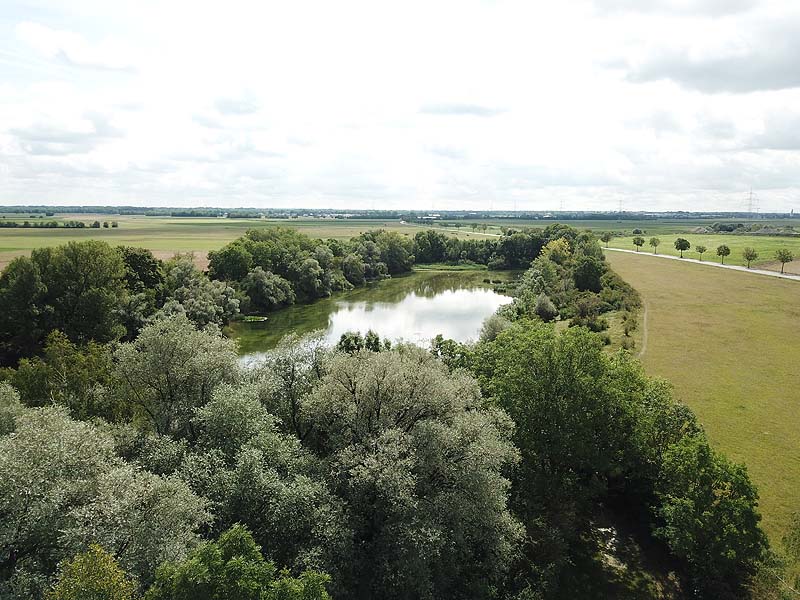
[764,245]
[728,342]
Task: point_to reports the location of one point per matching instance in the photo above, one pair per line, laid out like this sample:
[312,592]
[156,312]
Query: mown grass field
[729,343]
[764,245]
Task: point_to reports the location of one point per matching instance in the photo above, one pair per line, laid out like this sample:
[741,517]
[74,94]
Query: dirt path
[710,264]
[643,349]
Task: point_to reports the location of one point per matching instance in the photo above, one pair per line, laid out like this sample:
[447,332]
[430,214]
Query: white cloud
[665,104]
[73,49]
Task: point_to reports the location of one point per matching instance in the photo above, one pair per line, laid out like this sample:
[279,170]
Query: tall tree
[654,242]
[638,241]
[723,251]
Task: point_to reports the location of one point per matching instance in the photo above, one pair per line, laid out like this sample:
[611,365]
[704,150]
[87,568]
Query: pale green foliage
[172,369]
[544,308]
[10,408]
[419,465]
[258,476]
[492,327]
[48,465]
[142,518]
[93,575]
[654,242]
[287,375]
[61,487]
[558,251]
[700,249]
[201,299]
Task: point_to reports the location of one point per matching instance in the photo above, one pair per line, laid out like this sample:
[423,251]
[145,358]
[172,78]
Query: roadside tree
[749,255]
[682,244]
[784,256]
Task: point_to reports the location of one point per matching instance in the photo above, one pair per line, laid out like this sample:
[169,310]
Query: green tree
[783,256]
[79,378]
[654,242]
[84,283]
[700,250]
[418,463]
[62,487]
[638,241]
[233,568]
[266,290]
[353,269]
[172,369]
[143,271]
[681,245]
[23,310]
[723,251]
[587,272]
[709,517]
[749,255]
[191,293]
[606,237]
[232,262]
[93,575]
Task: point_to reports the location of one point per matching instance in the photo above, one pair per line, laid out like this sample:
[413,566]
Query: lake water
[414,308]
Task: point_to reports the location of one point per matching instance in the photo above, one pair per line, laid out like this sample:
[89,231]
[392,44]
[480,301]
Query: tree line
[782,255]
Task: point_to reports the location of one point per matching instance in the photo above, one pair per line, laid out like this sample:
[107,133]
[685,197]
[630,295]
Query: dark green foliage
[723,251]
[231,263]
[143,271]
[79,378]
[681,245]
[638,241]
[587,272]
[353,342]
[266,291]
[707,508]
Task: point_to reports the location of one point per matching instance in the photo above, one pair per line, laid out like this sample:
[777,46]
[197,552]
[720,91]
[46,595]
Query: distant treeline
[278,213]
[57,224]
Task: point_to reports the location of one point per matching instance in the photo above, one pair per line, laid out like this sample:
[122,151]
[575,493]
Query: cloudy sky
[655,104]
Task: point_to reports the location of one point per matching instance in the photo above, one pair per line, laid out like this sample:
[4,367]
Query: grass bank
[728,342]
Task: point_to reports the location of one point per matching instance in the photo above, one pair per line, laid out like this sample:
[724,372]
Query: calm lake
[414,308]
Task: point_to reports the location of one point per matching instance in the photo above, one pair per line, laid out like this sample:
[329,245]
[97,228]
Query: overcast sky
[658,104]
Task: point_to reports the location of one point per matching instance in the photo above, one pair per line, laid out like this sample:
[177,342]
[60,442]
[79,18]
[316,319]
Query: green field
[728,342]
[167,235]
[764,245]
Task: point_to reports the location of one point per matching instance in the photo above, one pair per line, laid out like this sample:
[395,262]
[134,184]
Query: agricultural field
[167,235]
[727,341]
[764,245]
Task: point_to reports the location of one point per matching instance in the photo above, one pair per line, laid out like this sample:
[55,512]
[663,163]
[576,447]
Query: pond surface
[414,308]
